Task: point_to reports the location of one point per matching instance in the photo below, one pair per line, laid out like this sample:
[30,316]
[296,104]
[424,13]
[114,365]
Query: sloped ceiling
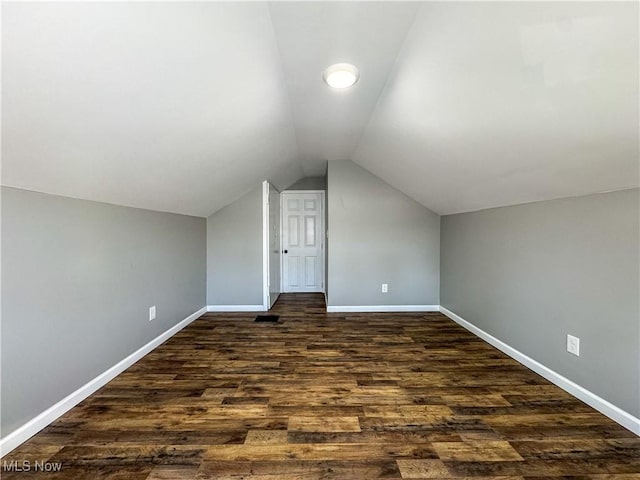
[494,104]
[183,107]
[178,107]
[312,36]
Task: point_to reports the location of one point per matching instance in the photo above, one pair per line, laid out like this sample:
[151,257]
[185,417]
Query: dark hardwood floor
[330,396]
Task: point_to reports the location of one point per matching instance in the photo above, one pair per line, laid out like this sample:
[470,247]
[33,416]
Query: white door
[274,245]
[302,242]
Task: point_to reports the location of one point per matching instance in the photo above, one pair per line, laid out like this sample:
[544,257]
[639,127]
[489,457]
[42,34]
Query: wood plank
[266,437]
[423,469]
[477,451]
[323,424]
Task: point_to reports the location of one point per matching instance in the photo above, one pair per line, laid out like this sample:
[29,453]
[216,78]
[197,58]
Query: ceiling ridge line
[385,85]
[289,102]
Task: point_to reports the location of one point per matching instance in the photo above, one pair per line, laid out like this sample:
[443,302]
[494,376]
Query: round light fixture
[341,75]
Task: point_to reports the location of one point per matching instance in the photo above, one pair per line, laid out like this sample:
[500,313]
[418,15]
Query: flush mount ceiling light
[341,75]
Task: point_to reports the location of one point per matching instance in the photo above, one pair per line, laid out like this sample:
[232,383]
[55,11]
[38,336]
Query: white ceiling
[183,107]
[178,107]
[493,104]
[312,36]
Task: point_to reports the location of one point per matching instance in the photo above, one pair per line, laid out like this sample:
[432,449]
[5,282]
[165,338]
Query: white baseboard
[235,308]
[383,308]
[33,426]
[603,406]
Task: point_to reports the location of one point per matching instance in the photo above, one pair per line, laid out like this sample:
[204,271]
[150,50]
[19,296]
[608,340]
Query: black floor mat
[267,318]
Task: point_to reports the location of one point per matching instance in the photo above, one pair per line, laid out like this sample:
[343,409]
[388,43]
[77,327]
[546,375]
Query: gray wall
[234,252]
[78,279]
[379,235]
[309,183]
[531,274]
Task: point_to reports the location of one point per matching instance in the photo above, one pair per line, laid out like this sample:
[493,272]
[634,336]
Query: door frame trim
[265,245]
[323,236]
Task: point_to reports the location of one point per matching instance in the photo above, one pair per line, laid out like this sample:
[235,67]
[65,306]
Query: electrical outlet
[152,313]
[573,345]
[385,287]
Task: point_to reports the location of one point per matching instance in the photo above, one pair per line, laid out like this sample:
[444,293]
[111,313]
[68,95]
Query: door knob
[285,251]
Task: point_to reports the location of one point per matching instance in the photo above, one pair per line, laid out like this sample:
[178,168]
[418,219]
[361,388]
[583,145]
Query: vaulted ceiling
[183,107]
